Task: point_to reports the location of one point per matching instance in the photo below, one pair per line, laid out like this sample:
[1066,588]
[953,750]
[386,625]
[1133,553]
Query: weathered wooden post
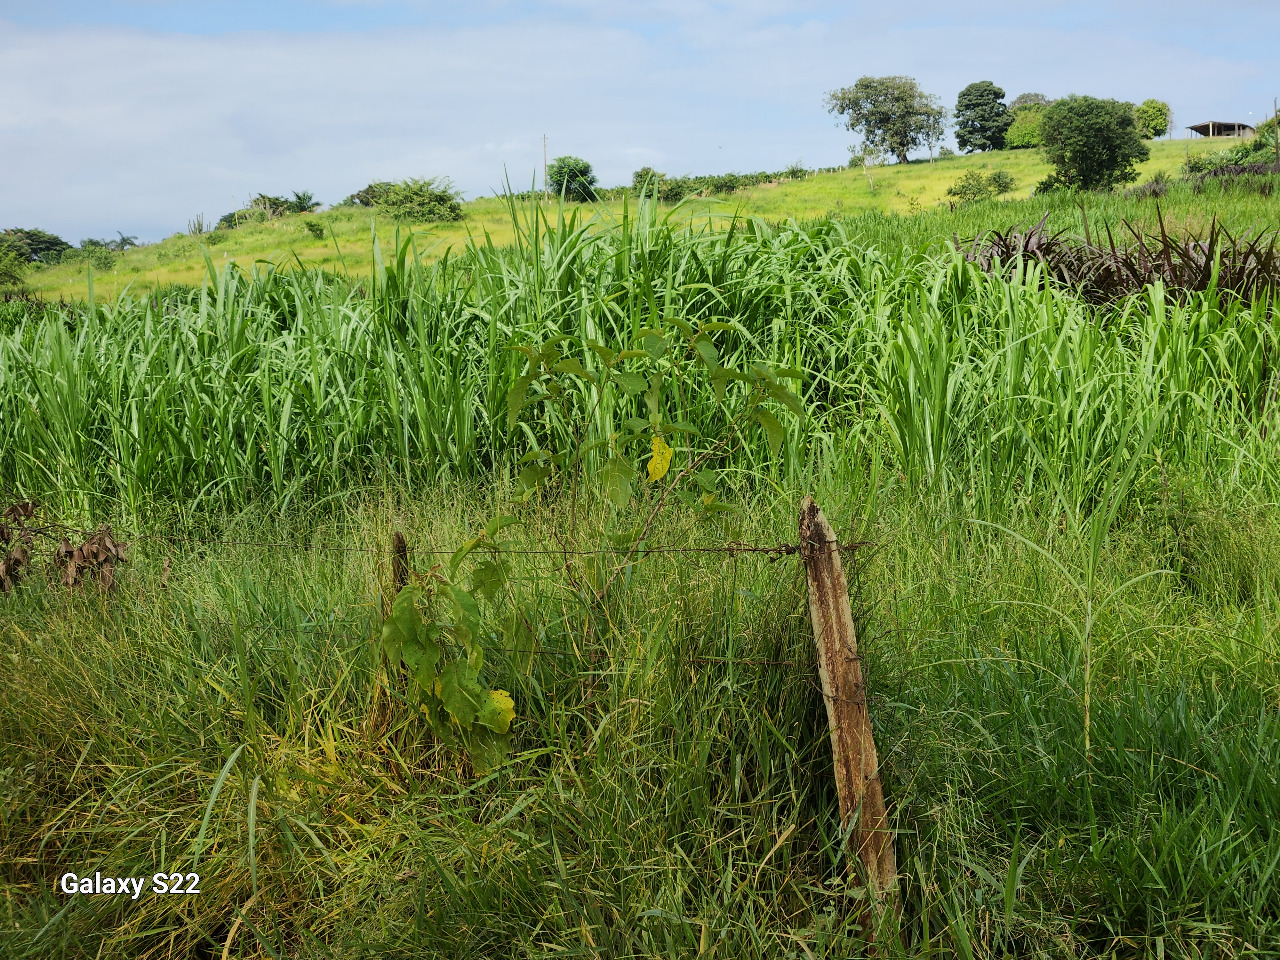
[380,706]
[852,745]
[399,560]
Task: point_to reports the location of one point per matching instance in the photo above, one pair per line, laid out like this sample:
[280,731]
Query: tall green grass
[284,383]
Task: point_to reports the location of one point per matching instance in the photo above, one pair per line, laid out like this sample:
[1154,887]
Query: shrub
[975,186]
[1093,144]
[1259,150]
[972,187]
[12,267]
[646,177]
[263,207]
[314,227]
[572,178]
[1024,131]
[1001,181]
[96,253]
[430,200]
[1103,273]
[1156,187]
[302,201]
[944,153]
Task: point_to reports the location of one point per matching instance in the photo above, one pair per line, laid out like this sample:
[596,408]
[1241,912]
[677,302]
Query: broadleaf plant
[432,636]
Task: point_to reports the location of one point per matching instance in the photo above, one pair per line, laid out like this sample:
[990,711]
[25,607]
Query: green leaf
[467,626]
[488,577]
[573,366]
[498,524]
[617,475]
[631,383]
[516,399]
[487,749]
[531,476]
[403,623]
[438,719]
[684,326]
[707,351]
[461,554]
[653,397]
[497,711]
[784,396]
[460,692]
[773,430]
[655,345]
[603,352]
[425,673]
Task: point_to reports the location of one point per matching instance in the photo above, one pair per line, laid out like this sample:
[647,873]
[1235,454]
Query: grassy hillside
[907,189]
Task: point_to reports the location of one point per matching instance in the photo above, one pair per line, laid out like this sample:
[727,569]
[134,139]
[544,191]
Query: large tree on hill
[1153,118]
[30,244]
[890,113]
[981,117]
[1093,144]
[572,177]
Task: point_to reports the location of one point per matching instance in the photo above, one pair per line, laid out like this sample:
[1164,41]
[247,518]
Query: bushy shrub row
[260,209]
[416,201]
[674,189]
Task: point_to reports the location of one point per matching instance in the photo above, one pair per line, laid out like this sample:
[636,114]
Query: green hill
[916,191]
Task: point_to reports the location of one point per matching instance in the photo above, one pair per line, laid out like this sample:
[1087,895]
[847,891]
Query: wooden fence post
[399,560]
[852,745]
[380,705]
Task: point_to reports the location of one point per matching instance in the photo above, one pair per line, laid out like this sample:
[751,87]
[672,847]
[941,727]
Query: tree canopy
[1153,118]
[1024,130]
[890,113]
[29,244]
[431,200]
[572,177]
[1093,144]
[1029,100]
[981,117]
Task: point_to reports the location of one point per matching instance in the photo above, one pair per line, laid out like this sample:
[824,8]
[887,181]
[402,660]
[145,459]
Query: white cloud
[121,128]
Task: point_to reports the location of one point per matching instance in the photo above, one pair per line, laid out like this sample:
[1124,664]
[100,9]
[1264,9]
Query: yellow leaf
[660,462]
[497,712]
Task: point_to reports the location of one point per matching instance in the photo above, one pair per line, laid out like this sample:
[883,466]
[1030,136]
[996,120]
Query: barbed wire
[730,548]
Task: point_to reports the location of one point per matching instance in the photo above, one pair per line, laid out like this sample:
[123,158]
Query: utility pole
[544,166]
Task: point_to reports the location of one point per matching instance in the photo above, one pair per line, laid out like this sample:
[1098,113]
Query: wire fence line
[729,548]
[20,524]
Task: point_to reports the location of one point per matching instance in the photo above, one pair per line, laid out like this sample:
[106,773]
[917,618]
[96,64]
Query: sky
[137,115]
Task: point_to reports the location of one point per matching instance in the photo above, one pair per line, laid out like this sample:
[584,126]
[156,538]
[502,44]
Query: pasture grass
[901,190]
[671,789]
